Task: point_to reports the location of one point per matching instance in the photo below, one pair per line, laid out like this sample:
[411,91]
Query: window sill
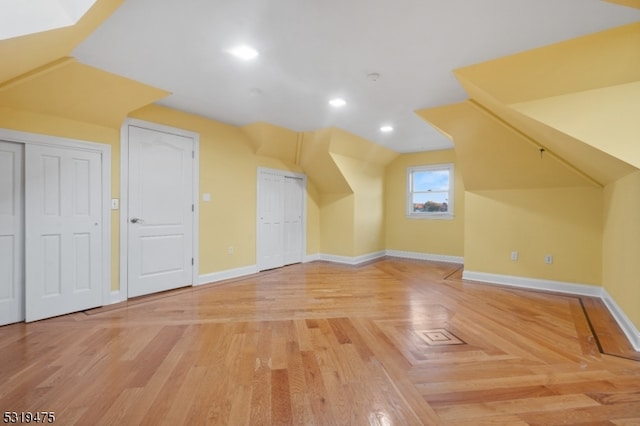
[444,216]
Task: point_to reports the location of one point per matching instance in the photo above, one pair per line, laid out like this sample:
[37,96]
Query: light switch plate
[115,204]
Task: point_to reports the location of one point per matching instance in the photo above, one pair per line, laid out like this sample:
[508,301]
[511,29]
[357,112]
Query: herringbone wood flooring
[393,342]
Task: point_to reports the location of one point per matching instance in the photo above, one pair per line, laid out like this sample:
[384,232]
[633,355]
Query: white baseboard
[425,256]
[534,283]
[628,328]
[355,260]
[227,274]
[311,258]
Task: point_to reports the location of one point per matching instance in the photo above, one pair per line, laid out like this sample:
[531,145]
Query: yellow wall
[443,237]
[313,218]
[366,179]
[621,243]
[563,222]
[336,224]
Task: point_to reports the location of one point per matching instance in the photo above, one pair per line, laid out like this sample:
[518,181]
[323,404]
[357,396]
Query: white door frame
[124,196]
[304,209]
[105,154]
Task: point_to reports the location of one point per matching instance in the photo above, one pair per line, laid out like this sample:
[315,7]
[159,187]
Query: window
[430,191]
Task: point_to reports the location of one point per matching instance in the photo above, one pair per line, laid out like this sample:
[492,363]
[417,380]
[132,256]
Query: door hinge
[193,154]
[193,208]
[192,261]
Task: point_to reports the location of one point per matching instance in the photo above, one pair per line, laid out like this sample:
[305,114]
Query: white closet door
[280,219]
[270,220]
[63,230]
[11,233]
[293,198]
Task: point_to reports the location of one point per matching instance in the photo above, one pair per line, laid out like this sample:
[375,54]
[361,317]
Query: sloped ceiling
[602,59]
[607,118]
[69,89]
[629,3]
[493,155]
[36,50]
[312,51]
[578,100]
[37,75]
[273,141]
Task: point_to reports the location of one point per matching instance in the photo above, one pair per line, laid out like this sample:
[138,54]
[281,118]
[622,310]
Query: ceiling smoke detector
[374,76]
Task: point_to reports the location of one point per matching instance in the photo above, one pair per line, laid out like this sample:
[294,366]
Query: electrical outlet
[514,255]
[230,250]
[548,259]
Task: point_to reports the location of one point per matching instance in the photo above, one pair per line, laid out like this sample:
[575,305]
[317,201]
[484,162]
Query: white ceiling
[313,50]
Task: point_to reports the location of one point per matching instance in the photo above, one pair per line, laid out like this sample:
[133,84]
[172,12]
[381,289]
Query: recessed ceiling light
[337,102]
[244,52]
[386,129]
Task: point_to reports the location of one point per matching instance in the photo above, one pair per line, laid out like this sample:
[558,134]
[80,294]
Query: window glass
[430,191]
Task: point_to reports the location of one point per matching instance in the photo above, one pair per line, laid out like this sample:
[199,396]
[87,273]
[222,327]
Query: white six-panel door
[280,226]
[160,211]
[11,233]
[293,209]
[63,214]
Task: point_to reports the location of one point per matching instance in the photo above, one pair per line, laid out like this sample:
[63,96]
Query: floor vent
[439,337]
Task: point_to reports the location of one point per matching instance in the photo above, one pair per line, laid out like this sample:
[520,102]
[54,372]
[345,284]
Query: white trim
[227,274]
[425,256]
[105,157]
[124,195]
[311,258]
[534,283]
[628,328]
[348,260]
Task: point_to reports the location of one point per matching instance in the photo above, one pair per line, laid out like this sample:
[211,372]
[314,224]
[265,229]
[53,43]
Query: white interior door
[11,233]
[63,231]
[270,220]
[160,211]
[280,219]
[293,198]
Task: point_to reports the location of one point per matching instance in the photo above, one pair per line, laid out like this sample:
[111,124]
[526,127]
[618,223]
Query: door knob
[136,220]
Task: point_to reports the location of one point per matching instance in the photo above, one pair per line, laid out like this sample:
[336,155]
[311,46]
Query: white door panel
[160,210]
[293,191]
[271,218]
[63,205]
[11,233]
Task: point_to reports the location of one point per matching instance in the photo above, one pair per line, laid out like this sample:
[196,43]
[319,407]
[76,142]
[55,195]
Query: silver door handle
[136,220]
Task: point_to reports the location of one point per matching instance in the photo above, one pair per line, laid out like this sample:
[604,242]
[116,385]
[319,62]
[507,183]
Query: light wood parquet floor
[392,342]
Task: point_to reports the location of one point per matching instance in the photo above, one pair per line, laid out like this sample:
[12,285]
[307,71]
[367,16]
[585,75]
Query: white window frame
[409,193]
